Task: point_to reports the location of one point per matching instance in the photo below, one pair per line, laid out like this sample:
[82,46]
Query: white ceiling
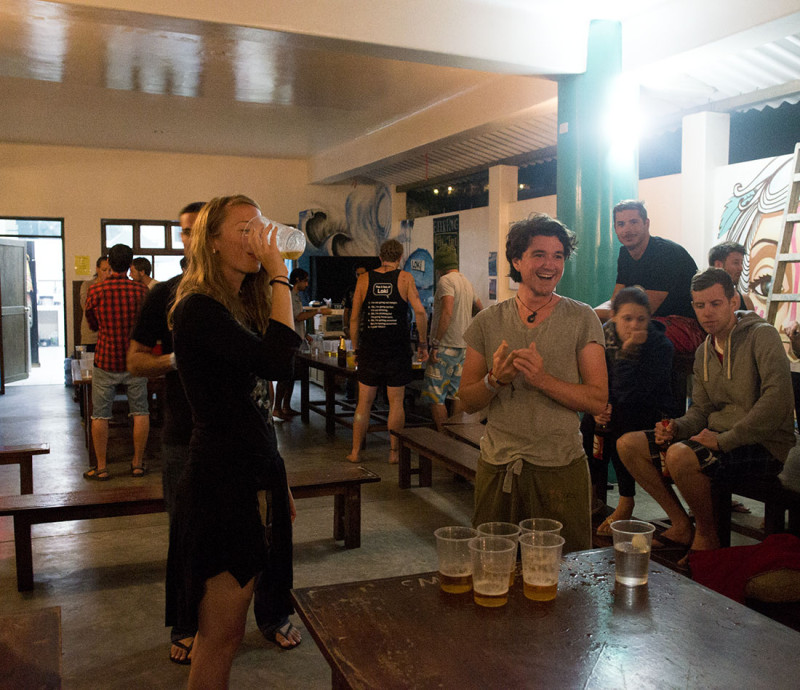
[399,91]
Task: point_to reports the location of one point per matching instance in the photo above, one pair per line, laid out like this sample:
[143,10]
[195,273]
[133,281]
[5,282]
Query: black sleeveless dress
[225,370]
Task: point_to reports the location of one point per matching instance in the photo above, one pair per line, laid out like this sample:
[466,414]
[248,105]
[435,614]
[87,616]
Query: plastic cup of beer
[492,561]
[455,560]
[541,563]
[540,525]
[632,542]
[351,360]
[508,530]
[291,242]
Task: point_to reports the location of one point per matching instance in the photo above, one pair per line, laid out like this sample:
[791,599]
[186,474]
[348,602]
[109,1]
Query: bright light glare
[623,125]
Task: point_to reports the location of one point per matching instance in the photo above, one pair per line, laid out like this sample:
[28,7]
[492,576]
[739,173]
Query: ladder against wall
[785,256]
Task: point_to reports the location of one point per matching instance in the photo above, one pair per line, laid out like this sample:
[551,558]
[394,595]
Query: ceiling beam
[491,104]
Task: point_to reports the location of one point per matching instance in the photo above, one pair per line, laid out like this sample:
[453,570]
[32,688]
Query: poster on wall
[492,264]
[445,232]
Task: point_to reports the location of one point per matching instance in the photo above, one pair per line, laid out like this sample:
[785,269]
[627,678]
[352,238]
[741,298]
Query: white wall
[82,186]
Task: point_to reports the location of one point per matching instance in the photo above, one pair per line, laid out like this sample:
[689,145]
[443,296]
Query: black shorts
[745,461]
[385,369]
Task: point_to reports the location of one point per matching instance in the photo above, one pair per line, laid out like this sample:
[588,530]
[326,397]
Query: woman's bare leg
[222,618]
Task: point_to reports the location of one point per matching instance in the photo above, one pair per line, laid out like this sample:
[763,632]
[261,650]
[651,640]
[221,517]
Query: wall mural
[752,217]
[359,227]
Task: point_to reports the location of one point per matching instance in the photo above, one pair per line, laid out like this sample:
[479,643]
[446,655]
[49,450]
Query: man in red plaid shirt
[111,309]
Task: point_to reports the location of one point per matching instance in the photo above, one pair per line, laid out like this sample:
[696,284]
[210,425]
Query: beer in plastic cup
[501,529]
[540,525]
[291,242]
[541,563]
[492,560]
[455,561]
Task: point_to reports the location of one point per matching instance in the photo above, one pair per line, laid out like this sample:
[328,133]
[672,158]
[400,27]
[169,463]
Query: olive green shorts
[560,493]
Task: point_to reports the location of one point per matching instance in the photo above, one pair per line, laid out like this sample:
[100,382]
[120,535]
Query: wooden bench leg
[774,517]
[794,521]
[425,470]
[338,517]
[352,517]
[721,500]
[404,467]
[24,554]
[26,474]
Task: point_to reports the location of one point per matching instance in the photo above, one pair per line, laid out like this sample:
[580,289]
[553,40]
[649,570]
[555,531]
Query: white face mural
[752,217]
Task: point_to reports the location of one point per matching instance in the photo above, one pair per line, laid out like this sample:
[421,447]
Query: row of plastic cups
[483,559]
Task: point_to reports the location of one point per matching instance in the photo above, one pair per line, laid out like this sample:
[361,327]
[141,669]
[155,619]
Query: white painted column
[503,180]
[704,148]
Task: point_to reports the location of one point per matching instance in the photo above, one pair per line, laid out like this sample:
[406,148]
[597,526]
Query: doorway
[44,294]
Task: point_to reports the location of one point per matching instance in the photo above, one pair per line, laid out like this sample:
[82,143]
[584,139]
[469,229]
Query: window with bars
[156,240]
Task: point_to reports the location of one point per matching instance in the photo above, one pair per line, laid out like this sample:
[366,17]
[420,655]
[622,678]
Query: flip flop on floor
[138,471]
[97,475]
[283,629]
[662,543]
[185,661]
[739,507]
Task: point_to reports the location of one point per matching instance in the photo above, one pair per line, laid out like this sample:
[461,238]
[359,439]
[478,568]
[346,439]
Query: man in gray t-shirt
[454,304]
[533,362]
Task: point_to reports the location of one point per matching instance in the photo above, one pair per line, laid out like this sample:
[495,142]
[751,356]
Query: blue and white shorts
[443,378]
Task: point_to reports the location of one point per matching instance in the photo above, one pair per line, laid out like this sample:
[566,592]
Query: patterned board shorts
[744,461]
[443,378]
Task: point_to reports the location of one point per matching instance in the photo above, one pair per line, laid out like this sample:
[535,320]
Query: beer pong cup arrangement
[632,542]
[455,560]
[540,525]
[541,563]
[291,242]
[493,558]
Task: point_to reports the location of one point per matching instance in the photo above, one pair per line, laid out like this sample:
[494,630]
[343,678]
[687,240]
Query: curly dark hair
[523,231]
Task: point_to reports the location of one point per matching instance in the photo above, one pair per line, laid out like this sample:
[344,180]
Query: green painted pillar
[598,162]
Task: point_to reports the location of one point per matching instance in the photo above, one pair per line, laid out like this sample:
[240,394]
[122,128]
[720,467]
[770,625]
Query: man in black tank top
[379,331]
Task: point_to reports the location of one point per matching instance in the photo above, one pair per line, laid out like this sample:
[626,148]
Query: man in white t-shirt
[454,305]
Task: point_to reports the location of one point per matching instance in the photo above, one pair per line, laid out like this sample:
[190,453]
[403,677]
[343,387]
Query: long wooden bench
[23,456]
[776,497]
[343,482]
[457,456]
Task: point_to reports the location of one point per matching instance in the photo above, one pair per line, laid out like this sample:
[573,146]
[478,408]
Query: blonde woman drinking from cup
[233,333]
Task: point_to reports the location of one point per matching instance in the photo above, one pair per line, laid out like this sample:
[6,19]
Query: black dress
[225,370]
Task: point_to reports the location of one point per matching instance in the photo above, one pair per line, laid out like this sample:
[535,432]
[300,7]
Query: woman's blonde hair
[252,305]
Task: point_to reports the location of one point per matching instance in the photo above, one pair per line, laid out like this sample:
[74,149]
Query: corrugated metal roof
[767,75]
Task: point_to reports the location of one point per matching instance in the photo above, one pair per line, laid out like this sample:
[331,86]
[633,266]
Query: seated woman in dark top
[639,360]
[233,333]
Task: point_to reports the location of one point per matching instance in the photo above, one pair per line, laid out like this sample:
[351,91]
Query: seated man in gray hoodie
[740,422]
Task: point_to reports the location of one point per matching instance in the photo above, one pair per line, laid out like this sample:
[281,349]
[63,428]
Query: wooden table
[30,649]
[337,411]
[403,632]
[23,456]
[85,391]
